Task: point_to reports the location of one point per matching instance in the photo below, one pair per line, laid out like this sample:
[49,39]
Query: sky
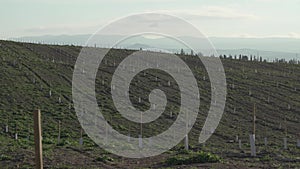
[215,18]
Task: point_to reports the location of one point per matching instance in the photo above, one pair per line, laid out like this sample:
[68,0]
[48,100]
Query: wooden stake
[265,132]
[128,133]
[254,118]
[285,126]
[16,131]
[141,135]
[141,124]
[285,143]
[106,133]
[81,139]
[6,128]
[186,142]
[186,131]
[38,140]
[265,126]
[28,137]
[252,145]
[58,137]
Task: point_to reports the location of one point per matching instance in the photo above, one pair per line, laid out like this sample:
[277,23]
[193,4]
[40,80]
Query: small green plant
[266,158]
[184,151]
[4,157]
[206,157]
[104,158]
[64,143]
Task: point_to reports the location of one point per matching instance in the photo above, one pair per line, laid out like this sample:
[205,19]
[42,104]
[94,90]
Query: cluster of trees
[244,57]
[259,59]
[291,61]
[191,53]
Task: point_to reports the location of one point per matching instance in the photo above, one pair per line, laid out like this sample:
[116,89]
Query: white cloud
[211,12]
[152,36]
[292,35]
[68,28]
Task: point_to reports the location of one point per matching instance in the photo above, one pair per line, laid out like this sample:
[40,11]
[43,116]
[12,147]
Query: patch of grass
[193,157]
[266,158]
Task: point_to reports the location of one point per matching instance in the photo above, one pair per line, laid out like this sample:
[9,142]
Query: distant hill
[138,46]
[269,48]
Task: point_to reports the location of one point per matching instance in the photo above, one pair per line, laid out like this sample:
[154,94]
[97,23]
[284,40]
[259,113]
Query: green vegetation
[193,157]
[104,158]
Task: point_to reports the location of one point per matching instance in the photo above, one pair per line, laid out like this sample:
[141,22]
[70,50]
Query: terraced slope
[30,72]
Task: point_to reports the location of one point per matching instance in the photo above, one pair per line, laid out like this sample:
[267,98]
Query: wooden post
[59,100]
[285,123]
[298,141]
[265,126]
[186,140]
[106,133]
[38,140]
[141,124]
[252,145]
[28,137]
[141,134]
[285,132]
[265,132]
[81,139]
[6,127]
[16,131]
[240,143]
[254,118]
[58,137]
[128,133]
[252,136]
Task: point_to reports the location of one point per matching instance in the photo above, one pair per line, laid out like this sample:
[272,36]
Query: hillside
[30,71]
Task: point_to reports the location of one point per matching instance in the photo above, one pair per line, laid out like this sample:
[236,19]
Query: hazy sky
[220,18]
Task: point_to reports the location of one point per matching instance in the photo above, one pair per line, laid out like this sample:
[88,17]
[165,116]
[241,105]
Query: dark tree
[182,52]
[245,58]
